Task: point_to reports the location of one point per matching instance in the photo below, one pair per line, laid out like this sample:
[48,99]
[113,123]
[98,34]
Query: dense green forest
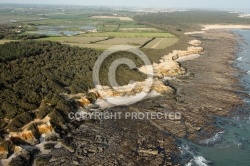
[34,73]
[11,32]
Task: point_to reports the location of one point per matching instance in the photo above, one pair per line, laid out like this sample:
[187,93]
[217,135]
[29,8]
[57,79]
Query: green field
[5,41]
[105,42]
[143,29]
[161,43]
[74,39]
[130,34]
[111,30]
[94,46]
[98,42]
[128,41]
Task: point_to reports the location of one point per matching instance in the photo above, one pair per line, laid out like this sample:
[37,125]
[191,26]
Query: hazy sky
[240,4]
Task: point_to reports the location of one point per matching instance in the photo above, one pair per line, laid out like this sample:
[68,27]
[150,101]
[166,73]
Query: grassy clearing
[101,41]
[86,41]
[140,29]
[104,43]
[130,34]
[81,41]
[113,17]
[132,25]
[161,43]
[94,46]
[126,41]
[77,40]
[5,41]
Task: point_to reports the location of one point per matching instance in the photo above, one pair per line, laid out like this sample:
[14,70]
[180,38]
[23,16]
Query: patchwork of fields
[95,31]
[108,39]
[130,34]
[161,43]
[104,41]
[113,17]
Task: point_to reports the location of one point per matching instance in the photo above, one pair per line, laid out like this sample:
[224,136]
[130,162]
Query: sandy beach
[218,26]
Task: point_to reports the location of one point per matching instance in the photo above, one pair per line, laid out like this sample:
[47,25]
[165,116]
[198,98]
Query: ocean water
[88,27]
[231,146]
[243,61]
[246,11]
[243,11]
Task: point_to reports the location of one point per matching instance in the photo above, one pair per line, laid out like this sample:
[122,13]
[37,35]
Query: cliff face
[195,42]
[105,92]
[30,136]
[167,67]
[176,54]
[26,135]
[3,152]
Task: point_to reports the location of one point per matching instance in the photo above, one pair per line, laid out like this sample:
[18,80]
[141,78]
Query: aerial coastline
[190,73]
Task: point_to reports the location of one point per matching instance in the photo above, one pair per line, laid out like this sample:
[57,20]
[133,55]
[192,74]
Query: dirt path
[156,44]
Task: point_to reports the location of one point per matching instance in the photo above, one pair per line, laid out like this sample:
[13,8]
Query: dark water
[231,146]
[58,30]
[88,27]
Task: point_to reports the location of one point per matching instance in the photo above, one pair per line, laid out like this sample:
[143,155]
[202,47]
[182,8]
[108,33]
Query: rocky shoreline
[208,89]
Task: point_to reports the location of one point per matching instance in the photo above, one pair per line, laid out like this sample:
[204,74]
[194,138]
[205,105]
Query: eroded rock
[195,42]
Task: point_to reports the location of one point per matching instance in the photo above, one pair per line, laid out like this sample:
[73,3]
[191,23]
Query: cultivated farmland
[130,34]
[73,39]
[106,40]
[113,17]
[128,41]
[161,43]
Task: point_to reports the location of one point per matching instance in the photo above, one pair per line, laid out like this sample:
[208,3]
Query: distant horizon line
[154,7]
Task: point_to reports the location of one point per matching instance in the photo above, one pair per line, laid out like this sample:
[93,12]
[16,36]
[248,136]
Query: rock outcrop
[176,54]
[195,42]
[3,153]
[104,92]
[169,66]
[146,152]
